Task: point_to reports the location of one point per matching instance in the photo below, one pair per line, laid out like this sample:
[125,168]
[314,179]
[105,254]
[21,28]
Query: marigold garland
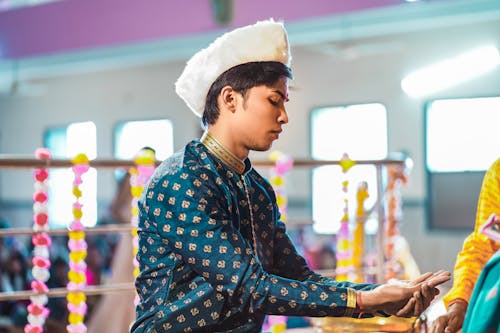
[359,232]
[37,310]
[77,245]
[139,176]
[344,246]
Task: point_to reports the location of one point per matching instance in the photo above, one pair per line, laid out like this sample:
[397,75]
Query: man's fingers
[427,291]
[428,295]
[439,279]
[419,304]
[422,278]
[407,310]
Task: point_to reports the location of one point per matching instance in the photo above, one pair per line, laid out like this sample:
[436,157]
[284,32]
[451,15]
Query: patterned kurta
[204,268]
[477,248]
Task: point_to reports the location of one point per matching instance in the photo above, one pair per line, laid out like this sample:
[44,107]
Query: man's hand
[428,291]
[404,299]
[452,320]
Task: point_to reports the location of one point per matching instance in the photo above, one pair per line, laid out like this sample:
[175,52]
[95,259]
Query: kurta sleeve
[286,256]
[193,216]
[477,248]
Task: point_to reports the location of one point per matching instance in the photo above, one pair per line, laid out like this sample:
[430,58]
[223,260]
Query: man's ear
[229,98]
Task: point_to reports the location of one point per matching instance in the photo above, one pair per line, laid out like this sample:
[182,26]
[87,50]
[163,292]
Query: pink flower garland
[139,176]
[77,245]
[37,310]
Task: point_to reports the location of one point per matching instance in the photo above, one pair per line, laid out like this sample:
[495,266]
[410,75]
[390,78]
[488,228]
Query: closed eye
[275,103]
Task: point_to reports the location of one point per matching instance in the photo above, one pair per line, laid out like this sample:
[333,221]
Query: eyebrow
[285,98]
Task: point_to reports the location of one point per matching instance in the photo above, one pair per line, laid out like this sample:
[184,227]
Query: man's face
[262,114]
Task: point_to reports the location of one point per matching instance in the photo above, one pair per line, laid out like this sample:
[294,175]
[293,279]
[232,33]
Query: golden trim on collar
[216,148]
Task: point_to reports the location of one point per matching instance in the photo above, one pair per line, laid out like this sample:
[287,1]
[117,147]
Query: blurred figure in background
[14,277]
[115,311]
[58,318]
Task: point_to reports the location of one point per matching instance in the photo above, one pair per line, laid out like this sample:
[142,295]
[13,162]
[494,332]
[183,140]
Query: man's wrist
[359,301]
[364,301]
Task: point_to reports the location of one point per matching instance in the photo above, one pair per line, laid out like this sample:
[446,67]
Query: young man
[214,255]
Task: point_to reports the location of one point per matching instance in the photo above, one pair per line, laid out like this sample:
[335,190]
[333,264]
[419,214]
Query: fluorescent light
[450,72]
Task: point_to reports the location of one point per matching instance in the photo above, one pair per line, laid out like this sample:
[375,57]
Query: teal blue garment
[483,312]
[198,268]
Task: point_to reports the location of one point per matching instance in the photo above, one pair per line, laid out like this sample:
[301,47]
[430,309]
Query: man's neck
[222,153]
[225,138]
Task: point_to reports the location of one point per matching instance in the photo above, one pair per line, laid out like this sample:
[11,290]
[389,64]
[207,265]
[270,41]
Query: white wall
[321,78]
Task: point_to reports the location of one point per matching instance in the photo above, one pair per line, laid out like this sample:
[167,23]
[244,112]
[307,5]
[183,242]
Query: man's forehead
[281,88]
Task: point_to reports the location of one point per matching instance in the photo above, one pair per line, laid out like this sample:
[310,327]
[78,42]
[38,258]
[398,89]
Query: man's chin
[263,147]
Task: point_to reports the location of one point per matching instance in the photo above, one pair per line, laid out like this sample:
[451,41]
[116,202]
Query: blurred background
[412,80]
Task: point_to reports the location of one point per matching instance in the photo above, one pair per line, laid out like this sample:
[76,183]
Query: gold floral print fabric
[199,269]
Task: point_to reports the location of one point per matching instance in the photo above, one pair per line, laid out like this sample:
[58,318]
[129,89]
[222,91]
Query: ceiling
[87,35]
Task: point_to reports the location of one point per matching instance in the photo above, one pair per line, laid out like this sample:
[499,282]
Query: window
[360,131]
[461,143]
[131,136]
[66,143]
[462,134]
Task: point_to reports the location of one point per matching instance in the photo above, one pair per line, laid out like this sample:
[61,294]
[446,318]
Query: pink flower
[41,239]
[32,329]
[39,286]
[39,196]
[41,262]
[41,175]
[37,310]
[42,153]
[41,219]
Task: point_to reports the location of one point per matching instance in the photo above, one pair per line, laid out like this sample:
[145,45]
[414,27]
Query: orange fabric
[477,248]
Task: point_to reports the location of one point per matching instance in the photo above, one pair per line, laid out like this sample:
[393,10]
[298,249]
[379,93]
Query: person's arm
[477,248]
[286,256]
[476,251]
[193,219]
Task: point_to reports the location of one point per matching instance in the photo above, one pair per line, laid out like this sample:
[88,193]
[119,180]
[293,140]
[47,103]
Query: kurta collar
[222,153]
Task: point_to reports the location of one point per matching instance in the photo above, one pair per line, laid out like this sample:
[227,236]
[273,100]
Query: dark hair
[241,78]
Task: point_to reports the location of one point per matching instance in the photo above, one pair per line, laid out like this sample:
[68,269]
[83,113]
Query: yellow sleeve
[477,248]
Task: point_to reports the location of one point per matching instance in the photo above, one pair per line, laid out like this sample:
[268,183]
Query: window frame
[311,147]
[121,124]
[465,212]
[46,135]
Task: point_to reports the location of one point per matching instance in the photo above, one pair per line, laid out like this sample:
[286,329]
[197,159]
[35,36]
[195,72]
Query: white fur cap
[262,41]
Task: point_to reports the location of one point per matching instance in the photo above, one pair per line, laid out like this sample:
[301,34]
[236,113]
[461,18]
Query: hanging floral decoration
[359,232]
[277,178]
[139,176]
[344,246]
[37,309]
[397,176]
[77,245]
